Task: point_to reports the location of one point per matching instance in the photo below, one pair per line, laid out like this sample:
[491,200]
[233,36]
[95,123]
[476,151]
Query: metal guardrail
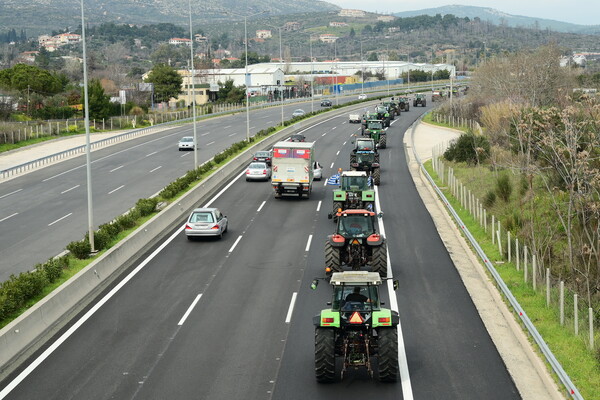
[556,366]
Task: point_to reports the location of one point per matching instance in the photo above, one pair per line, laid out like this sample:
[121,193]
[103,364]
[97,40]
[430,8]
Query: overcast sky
[585,12]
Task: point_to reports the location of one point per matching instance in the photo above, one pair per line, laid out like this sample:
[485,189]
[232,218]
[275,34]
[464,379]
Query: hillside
[499,18]
[39,16]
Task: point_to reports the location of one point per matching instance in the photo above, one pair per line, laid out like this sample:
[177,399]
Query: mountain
[42,16]
[498,18]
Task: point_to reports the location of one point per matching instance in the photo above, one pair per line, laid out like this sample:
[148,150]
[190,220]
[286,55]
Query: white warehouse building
[259,75]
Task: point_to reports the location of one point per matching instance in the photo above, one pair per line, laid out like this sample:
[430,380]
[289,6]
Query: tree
[367,30]
[229,93]
[373,57]
[167,82]
[25,78]
[99,102]
[352,33]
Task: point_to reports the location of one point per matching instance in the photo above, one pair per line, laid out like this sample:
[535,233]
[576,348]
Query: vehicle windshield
[364,145]
[202,217]
[262,154]
[340,294]
[365,158]
[374,125]
[187,139]
[357,226]
[258,165]
[354,183]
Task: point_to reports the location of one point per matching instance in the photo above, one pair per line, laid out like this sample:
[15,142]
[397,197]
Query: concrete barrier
[30,331]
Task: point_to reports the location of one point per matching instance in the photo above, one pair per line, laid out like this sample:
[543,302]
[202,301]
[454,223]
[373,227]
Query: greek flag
[370,181]
[334,180]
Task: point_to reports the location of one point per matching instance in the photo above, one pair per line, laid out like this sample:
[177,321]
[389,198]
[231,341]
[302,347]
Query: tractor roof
[355,278]
[354,173]
[366,213]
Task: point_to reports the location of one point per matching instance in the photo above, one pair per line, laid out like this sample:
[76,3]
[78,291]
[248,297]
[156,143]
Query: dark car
[297,138]
[263,156]
[326,103]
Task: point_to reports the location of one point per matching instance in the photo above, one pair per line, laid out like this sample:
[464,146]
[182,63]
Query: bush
[468,148]
[504,187]
[111,228]
[101,239]
[31,284]
[80,249]
[126,221]
[53,268]
[146,206]
[489,199]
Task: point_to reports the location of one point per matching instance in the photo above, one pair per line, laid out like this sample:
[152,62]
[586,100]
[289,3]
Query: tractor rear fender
[368,195]
[327,319]
[385,317]
[339,195]
[375,240]
[336,240]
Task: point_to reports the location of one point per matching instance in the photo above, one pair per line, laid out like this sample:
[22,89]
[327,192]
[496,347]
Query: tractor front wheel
[336,206]
[376,176]
[379,260]
[388,354]
[325,355]
[332,258]
[382,142]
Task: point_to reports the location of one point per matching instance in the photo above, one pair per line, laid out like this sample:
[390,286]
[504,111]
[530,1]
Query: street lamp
[281,67]
[88,152]
[191,81]
[312,77]
[335,88]
[362,71]
[387,55]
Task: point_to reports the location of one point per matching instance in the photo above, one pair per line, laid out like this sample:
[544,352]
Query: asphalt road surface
[215,319]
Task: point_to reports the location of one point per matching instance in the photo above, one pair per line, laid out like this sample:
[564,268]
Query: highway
[215,319]
[41,212]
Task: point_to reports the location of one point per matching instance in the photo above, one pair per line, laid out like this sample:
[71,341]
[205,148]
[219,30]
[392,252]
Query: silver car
[317,171]
[298,113]
[186,143]
[206,222]
[258,171]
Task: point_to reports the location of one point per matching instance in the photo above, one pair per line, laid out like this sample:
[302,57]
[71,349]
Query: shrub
[468,148]
[126,221]
[146,206]
[31,284]
[489,199]
[80,249]
[101,239]
[53,268]
[111,228]
[504,187]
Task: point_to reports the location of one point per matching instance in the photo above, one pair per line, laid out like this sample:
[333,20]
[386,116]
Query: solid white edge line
[10,216]
[8,194]
[114,190]
[189,310]
[288,317]
[60,219]
[31,367]
[157,168]
[308,243]
[235,243]
[319,205]
[261,206]
[407,393]
[242,173]
[68,190]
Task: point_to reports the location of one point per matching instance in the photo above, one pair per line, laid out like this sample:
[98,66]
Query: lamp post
[191,81]
[88,155]
[362,71]
[335,76]
[281,63]
[312,77]
[387,55]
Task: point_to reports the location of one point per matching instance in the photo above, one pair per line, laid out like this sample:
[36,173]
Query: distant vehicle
[297,137]
[326,103]
[206,222]
[263,156]
[317,171]
[354,117]
[362,96]
[186,143]
[258,171]
[298,113]
[293,169]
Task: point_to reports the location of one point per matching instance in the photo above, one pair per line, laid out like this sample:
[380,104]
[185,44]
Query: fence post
[547,287]
[575,314]
[517,255]
[562,302]
[499,233]
[493,229]
[534,271]
[508,245]
[525,264]
[591,322]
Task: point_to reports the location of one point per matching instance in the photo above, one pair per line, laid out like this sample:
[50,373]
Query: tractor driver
[357,296]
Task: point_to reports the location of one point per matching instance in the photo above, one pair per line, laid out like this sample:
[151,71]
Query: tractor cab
[354,181]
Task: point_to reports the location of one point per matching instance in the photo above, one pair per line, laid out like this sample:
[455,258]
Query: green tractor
[368,161]
[393,107]
[404,103]
[420,100]
[366,117]
[356,243]
[383,115]
[356,329]
[355,192]
[376,131]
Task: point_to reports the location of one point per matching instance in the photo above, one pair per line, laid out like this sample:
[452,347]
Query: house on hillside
[291,26]
[328,38]
[263,34]
[180,41]
[346,12]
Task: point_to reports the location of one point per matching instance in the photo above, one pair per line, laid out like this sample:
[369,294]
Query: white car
[258,171]
[317,171]
[298,113]
[186,143]
[362,96]
[206,222]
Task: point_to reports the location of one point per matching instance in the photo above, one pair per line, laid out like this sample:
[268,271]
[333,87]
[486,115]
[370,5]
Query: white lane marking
[334,127]
[261,206]
[288,317]
[235,243]
[269,122]
[208,144]
[308,243]
[331,165]
[189,310]
[319,205]
[338,153]
[228,126]
[151,154]
[60,219]
[252,127]
[324,134]
[233,134]
[68,190]
[8,194]
[31,367]
[407,393]
[185,154]
[325,183]
[114,169]
[343,144]
[10,216]
[206,133]
[157,168]
[114,190]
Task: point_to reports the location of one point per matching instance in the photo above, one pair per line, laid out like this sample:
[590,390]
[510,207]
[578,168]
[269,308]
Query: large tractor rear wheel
[332,258]
[377,176]
[382,142]
[388,354]
[379,260]
[336,206]
[325,355]
[352,158]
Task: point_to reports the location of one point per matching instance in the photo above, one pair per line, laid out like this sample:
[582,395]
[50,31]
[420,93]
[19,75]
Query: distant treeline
[119,32]
[12,36]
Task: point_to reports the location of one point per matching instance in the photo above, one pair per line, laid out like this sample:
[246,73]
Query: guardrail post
[562,302]
[525,277]
[547,287]
[534,271]
[575,315]
[591,323]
